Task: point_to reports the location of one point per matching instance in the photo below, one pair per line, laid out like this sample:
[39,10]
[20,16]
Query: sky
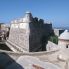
[56,11]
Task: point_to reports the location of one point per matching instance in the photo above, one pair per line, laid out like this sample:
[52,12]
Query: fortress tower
[29,34]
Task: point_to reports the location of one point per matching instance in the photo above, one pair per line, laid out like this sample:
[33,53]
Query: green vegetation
[54,39]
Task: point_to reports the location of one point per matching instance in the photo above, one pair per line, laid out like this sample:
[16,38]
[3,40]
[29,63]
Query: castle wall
[19,36]
[29,37]
[30,34]
[35,38]
[47,28]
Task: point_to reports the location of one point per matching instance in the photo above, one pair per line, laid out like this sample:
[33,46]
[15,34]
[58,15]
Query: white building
[64,40]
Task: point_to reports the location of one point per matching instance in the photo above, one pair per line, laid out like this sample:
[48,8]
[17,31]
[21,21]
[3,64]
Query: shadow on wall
[44,42]
[6,62]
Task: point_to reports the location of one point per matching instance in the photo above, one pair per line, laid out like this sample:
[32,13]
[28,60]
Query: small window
[66,46]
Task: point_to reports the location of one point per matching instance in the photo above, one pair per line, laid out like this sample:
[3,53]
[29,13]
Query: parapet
[28,17]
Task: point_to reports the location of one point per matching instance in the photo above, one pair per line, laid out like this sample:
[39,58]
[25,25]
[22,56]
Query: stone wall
[52,46]
[43,56]
[63,44]
[20,38]
[47,28]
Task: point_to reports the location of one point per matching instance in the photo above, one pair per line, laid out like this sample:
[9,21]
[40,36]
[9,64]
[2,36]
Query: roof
[64,35]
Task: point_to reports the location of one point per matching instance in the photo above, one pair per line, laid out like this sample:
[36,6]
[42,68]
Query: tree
[54,39]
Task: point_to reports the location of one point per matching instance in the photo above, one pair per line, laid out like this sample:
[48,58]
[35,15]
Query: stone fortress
[29,34]
[28,42]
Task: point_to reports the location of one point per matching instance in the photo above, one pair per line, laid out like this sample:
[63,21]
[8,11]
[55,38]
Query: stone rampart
[48,56]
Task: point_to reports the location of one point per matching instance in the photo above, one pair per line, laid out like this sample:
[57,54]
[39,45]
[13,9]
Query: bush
[54,39]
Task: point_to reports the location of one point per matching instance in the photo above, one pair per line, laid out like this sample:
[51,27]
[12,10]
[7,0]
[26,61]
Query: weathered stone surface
[30,35]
